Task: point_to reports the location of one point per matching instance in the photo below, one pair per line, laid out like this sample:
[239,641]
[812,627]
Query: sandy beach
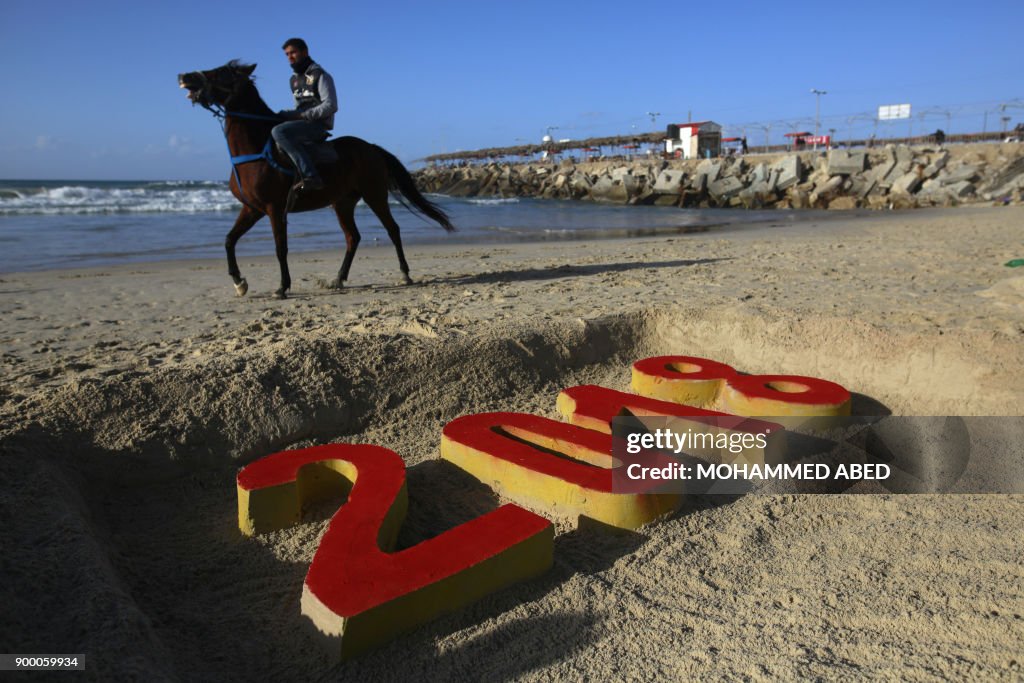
[131,396]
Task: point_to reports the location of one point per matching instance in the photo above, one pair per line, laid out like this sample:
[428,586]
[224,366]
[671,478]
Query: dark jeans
[293,136]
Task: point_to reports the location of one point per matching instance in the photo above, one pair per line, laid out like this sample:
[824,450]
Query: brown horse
[262,177]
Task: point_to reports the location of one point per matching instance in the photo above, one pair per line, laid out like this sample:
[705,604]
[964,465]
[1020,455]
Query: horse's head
[216,86]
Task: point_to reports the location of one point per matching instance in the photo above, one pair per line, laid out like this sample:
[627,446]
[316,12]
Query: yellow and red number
[359,593]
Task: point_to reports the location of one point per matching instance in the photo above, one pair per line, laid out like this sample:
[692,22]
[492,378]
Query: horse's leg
[247,218]
[345,209]
[378,202]
[279,224]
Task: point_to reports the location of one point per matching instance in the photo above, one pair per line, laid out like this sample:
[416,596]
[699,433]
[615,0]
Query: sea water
[59,224]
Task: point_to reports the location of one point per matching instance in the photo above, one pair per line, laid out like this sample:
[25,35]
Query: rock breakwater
[888,177]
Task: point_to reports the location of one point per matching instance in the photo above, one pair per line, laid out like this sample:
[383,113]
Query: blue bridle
[266,155]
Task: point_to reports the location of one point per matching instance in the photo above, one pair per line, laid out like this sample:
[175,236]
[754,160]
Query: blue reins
[266,155]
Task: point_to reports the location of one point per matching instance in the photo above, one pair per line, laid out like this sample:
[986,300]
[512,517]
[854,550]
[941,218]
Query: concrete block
[1008,179]
[699,182]
[725,188]
[790,169]
[758,195]
[862,185]
[828,188]
[669,182]
[960,189]
[937,164]
[897,172]
[883,169]
[904,155]
[464,188]
[601,188]
[843,162]
[819,177]
[906,184]
[712,168]
[901,159]
[580,181]
[644,197]
[630,184]
[969,173]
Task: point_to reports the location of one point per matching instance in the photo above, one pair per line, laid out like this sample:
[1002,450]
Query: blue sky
[91,93]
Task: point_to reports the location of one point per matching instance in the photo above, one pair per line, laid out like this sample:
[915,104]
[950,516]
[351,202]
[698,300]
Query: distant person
[313,116]
[743,141]
[940,136]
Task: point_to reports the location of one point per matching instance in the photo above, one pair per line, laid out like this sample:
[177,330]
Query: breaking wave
[112,198]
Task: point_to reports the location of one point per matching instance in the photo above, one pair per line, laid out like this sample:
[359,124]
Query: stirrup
[310,184]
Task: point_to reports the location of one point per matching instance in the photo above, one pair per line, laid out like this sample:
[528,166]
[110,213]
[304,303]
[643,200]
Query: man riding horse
[359,170]
[313,116]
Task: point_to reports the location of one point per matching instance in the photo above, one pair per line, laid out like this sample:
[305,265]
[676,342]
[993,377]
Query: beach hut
[694,140]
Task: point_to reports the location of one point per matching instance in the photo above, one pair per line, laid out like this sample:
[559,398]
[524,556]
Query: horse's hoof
[241,287]
[281,293]
[336,284]
[408,281]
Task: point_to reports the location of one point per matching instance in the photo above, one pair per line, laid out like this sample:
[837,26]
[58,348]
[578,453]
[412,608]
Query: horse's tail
[403,187]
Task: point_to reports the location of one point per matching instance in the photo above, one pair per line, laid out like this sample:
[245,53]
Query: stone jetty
[888,177]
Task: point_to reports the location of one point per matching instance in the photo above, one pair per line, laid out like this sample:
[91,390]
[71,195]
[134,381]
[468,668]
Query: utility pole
[767,128]
[817,113]
[654,115]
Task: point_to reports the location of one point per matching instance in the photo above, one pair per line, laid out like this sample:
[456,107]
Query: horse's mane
[250,93]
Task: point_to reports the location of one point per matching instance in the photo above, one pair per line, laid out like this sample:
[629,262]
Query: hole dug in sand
[150,462]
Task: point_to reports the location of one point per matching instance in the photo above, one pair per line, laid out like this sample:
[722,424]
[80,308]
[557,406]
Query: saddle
[321,153]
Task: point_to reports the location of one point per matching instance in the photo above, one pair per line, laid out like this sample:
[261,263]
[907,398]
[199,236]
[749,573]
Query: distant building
[694,140]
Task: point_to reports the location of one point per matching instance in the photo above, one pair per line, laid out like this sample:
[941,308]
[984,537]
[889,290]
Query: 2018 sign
[358,593]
